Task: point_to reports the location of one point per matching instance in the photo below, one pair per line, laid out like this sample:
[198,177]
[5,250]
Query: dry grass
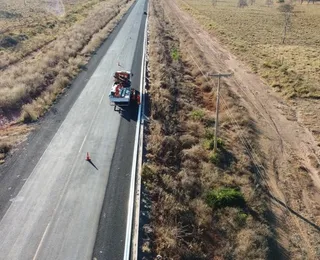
[28,79]
[33,77]
[10,137]
[254,33]
[179,171]
[34,25]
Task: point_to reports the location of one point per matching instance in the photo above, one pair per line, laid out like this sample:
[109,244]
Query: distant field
[255,34]
[43,46]
[27,25]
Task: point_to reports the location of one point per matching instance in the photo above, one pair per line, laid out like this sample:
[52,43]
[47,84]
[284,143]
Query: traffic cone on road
[88,157]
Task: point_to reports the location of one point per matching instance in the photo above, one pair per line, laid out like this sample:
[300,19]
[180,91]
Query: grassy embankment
[204,204]
[40,55]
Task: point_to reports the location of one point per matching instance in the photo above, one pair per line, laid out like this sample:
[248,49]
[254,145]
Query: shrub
[209,134]
[187,141]
[241,218]
[197,115]
[209,143]
[225,197]
[207,87]
[202,212]
[4,147]
[195,153]
[175,54]
[29,114]
[147,172]
[8,41]
[215,158]
[209,121]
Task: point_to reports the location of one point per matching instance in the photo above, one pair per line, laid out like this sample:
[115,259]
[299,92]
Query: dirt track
[289,155]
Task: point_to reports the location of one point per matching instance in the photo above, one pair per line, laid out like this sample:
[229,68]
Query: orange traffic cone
[88,157]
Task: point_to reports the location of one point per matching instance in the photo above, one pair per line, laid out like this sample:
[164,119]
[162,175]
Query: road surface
[56,213]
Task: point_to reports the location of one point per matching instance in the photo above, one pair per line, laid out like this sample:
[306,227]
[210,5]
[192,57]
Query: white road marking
[101,100]
[68,180]
[84,140]
[41,241]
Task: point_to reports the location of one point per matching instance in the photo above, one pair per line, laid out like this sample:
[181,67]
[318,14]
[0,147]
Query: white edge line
[65,185]
[41,241]
[135,242]
[127,247]
[84,140]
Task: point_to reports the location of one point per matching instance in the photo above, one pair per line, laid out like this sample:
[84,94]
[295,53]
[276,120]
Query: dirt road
[288,156]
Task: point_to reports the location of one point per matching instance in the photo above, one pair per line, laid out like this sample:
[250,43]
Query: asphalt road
[68,208]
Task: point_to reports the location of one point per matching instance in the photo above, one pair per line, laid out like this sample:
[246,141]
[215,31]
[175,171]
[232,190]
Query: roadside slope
[202,204]
[288,155]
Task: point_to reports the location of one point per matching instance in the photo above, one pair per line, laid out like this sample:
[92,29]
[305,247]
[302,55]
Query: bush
[225,197]
[175,54]
[187,141]
[241,218]
[209,133]
[215,158]
[29,114]
[209,144]
[206,87]
[197,115]
[8,41]
[5,148]
[147,172]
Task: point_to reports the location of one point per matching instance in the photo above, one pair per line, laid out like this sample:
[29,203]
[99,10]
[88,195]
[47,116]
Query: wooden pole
[217,109]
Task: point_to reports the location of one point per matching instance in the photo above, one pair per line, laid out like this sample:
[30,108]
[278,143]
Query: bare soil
[288,156]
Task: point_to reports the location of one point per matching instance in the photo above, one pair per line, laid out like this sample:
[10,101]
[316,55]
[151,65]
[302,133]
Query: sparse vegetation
[256,34]
[10,136]
[192,216]
[197,115]
[215,158]
[174,53]
[209,143]
[225,197]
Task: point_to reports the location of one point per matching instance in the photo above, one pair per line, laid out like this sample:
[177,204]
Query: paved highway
[67,208]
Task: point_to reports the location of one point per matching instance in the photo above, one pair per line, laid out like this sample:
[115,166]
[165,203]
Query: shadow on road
[92,164]
[131,112]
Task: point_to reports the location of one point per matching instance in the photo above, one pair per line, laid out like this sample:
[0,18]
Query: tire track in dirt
[289,148]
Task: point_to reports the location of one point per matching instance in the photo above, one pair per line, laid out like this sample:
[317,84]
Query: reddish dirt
[288,150]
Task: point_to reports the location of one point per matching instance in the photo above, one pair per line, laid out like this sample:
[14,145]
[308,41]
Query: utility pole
[217,106]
